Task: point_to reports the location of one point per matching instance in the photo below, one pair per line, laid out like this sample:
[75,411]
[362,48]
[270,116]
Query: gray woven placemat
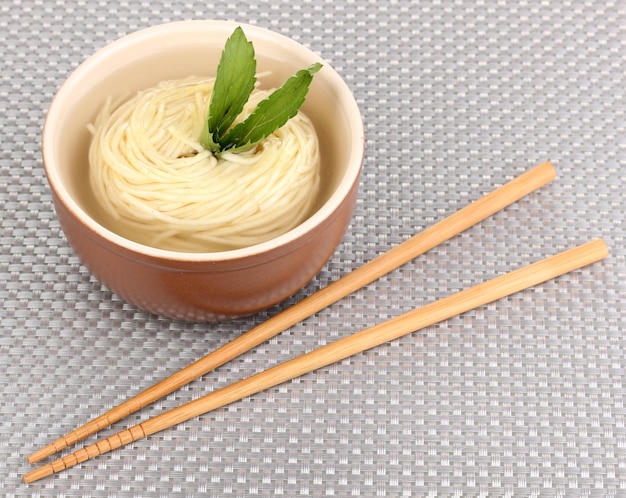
[524,397]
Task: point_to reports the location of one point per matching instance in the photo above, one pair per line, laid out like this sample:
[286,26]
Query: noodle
[159,187]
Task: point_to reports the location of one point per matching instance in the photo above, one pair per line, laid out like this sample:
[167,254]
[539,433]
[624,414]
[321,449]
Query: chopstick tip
[38,473]
[44,452]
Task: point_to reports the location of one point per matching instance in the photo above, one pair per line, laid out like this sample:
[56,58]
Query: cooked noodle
[159,186]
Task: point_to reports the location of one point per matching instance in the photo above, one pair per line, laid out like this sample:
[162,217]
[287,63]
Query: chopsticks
[408,250]
[392,329]
[383,264]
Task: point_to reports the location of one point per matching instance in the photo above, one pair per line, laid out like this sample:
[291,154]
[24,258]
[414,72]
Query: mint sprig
[234,82]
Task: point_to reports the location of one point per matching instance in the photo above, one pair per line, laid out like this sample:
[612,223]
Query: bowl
[200,286]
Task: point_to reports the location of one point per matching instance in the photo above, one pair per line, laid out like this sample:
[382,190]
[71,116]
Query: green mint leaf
[234,83]
[271,113]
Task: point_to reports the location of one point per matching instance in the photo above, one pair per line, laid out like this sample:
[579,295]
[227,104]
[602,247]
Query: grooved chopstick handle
[407,323]
[410,249]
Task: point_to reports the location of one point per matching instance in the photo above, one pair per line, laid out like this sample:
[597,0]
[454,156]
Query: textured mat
[523,397]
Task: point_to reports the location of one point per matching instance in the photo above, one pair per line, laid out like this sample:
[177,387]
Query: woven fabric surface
[522,397]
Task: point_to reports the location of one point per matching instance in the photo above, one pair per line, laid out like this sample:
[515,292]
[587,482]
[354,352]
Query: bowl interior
[178,50]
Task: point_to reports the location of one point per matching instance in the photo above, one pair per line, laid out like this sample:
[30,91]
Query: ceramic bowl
[200,286]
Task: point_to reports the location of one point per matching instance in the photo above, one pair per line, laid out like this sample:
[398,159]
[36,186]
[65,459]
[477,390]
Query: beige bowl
[200,286]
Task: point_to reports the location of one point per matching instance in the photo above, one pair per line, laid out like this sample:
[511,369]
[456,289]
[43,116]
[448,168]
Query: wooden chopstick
[407,323]
[383,264]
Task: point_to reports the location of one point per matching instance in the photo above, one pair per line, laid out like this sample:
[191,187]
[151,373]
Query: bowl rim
[290,237]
